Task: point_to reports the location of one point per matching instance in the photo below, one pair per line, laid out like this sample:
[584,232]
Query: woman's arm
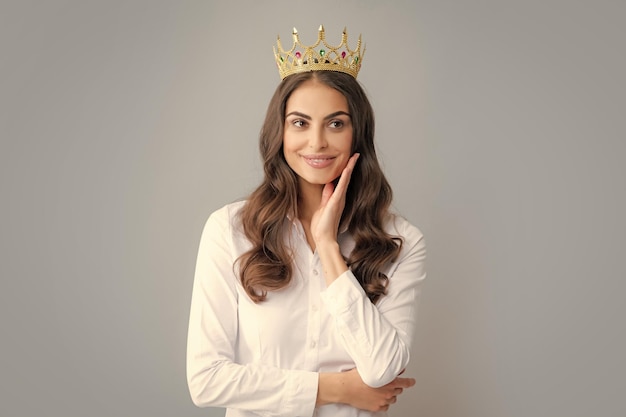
[377,337]
[349,388]
[214,377]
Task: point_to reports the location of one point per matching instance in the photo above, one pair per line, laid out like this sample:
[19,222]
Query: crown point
[345,30]
[295,31]
[321,29]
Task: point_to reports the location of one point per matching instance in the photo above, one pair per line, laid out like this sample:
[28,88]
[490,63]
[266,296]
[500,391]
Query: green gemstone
[322,52]
[281,59]
[356,59]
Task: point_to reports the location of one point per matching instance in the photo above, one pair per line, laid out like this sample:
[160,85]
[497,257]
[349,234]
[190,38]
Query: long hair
[267,266]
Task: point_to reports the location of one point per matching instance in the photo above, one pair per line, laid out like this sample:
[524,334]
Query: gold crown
[301,58]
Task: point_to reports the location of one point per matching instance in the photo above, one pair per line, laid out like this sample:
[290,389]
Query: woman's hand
[325,224]
[349,388]
[325,221]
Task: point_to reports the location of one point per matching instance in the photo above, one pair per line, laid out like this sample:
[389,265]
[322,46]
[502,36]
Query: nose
[317,139]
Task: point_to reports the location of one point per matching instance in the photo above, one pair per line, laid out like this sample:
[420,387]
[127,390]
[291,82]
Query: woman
[305,294]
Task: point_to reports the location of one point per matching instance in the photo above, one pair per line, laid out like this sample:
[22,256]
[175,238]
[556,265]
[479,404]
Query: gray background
[500,124]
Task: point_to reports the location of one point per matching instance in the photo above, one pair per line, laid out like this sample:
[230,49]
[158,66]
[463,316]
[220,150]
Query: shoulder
[223,232]
[413,243]
[412,257]
[226,217]
[397,225]
[228,211]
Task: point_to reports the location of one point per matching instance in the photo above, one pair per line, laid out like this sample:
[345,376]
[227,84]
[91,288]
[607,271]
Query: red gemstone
[343,54]
[298,55]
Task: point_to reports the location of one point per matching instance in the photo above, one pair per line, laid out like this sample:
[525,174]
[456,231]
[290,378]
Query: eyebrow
[307,117]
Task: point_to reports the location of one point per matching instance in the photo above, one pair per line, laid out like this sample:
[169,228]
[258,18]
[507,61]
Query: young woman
[305,293]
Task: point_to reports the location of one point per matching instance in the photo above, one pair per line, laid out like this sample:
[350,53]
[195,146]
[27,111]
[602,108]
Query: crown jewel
[321,56]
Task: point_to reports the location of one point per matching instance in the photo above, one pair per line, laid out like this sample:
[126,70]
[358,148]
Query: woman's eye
[298,123]
[336,124]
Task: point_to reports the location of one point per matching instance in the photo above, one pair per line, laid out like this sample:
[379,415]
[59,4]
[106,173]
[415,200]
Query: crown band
[320,56]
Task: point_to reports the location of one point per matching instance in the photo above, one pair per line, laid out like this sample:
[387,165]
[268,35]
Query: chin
[322,178]
[318,179]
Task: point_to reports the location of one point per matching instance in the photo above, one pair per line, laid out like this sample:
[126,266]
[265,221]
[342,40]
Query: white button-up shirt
[263,359]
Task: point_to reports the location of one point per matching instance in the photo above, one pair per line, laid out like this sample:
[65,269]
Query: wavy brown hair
[268,265]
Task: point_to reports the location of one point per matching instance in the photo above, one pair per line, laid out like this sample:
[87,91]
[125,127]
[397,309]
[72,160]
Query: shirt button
[313,344]
[315,272]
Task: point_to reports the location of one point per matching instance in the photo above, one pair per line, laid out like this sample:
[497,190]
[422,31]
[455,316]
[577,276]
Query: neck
[309,197]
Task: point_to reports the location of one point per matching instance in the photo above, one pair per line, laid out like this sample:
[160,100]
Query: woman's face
[317,139]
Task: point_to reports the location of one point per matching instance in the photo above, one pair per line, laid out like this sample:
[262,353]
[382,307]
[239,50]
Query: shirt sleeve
[214,377]
[378,337]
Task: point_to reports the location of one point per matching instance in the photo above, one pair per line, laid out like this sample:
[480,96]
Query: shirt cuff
[301,394]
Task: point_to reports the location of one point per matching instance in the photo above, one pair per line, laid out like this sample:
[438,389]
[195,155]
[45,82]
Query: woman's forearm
[348,388]
[332,261]
[329,388]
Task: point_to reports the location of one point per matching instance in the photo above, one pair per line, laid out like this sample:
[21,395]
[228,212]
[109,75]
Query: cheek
[350,143]
[289,150]
[289,143]
[349,139]
[286,148]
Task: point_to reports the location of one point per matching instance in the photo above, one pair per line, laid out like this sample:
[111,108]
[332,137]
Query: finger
[346,174]
[353,159]
[404,382]
[327,193]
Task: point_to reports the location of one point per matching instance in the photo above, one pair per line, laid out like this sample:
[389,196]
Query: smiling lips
[318,161]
